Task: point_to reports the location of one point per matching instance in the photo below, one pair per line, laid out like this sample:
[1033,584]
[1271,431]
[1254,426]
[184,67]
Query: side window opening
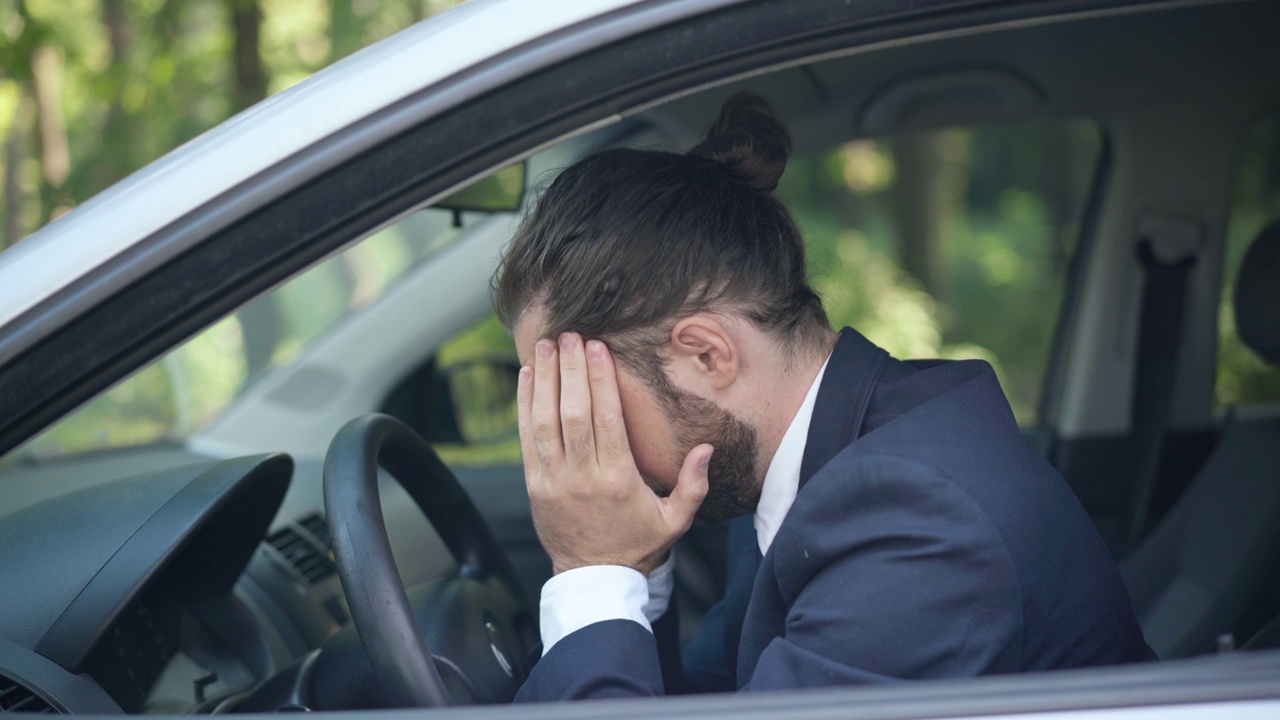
[1243,377]
[463,398]
[952,243]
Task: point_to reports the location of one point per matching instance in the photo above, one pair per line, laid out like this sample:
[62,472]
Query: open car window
[1244,378]
[952,243]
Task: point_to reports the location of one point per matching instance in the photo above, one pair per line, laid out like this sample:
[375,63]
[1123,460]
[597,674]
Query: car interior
[184,560]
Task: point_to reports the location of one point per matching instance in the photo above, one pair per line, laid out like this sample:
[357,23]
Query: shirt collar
[783,477]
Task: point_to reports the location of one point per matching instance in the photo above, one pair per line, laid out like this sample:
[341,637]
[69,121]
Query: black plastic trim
[254,485]
[65,692]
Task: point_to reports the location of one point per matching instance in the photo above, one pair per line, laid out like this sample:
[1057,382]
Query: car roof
[272,131]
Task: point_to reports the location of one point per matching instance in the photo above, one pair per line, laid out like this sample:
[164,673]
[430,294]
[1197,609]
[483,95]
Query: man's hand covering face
[589,502]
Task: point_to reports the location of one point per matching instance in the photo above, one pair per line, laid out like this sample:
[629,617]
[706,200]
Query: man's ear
[704,347]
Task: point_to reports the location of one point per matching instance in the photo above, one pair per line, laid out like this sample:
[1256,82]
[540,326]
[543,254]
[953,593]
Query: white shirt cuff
[662,582]
[577,598]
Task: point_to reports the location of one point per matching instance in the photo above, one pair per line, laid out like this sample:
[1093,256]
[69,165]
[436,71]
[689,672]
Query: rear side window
[1243,377]
[953,243]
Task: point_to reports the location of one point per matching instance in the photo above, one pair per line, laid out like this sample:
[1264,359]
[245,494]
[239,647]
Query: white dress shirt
[577,598]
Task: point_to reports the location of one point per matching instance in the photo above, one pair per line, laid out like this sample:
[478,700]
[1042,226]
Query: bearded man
[887,521]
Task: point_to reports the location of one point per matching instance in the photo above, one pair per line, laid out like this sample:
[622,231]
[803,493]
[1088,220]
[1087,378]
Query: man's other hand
[590,505]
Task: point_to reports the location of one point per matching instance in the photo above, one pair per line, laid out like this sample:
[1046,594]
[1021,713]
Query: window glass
[480,365]
[185,390]
[1243,376]
[952,243]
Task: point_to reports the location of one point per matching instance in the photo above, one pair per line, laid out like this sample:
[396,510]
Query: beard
[733,489]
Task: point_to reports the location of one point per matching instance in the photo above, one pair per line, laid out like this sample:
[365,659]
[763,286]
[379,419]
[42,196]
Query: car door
[65,348]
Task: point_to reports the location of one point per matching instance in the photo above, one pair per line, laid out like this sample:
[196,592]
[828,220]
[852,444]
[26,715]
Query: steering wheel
[465,635]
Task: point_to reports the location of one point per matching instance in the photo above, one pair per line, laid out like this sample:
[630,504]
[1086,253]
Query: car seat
[1194,576]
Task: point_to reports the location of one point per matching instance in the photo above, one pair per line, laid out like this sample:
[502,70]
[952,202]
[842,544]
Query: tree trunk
[916,206]
[346,31]
[113,161]
[1059,185]
[250,74]
[14,145]
[46,77]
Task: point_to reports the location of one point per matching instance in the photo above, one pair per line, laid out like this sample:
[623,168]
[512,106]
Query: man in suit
[890,521]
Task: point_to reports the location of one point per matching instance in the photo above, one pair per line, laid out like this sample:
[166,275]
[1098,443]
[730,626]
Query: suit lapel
[842,401]
[838,414]
[744,566]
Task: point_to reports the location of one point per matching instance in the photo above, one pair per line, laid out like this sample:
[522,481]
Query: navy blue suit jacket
[927,541]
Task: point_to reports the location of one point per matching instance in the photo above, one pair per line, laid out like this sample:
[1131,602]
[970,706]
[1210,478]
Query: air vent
[311,559]
[15,698]
[316,525]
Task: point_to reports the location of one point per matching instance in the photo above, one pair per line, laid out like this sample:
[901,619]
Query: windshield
[191,386]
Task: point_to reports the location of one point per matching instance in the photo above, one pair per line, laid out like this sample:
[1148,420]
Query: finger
[575,402]
[606,406]
[546,404]
[690,490]
[524,415]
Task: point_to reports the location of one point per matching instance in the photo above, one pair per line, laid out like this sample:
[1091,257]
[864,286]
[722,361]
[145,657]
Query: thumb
[691,486]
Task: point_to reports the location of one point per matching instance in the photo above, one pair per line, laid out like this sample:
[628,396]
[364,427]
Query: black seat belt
[1167,251]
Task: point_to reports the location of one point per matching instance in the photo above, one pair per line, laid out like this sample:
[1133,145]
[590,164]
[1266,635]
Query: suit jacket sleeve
[666,633]
[883,570]
[637,671]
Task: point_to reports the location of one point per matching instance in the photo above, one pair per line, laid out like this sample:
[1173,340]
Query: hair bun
[749,140]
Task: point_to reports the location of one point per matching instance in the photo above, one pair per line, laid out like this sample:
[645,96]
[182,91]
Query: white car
[180,531]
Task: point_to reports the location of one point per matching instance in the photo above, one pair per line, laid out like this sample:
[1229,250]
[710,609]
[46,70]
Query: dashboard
[157,594]
[162,658]
[200,586]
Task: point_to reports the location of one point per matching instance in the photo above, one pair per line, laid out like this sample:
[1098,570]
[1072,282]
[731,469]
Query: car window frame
[84,355]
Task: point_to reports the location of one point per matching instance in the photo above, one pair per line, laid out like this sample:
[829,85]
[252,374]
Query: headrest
[1257,298]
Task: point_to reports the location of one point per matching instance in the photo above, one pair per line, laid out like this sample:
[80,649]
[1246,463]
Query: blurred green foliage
[499,192]
[92,90]
[165,401]
[1002,206]
[1243,376]
[479,411]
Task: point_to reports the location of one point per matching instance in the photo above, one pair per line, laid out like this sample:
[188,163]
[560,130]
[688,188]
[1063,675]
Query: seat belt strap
[1167,250]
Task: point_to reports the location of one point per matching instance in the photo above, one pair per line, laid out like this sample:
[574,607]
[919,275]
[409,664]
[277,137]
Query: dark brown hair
[625,243]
